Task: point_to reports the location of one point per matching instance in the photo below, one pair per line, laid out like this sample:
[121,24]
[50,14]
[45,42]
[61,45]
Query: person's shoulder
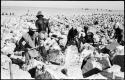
[25,35]
[46,20]
[37,20]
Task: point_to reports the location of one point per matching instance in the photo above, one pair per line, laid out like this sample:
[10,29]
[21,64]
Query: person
[42,26]
[85,29]
[89,38]
[71,36]
[27,42]
[42,23]
[118,33]
[81,40]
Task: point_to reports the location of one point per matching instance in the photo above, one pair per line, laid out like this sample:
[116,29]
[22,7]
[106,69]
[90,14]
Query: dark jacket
[72,33]
[85,29]
[89,37]
[42,25]
[118,34]
[71,36]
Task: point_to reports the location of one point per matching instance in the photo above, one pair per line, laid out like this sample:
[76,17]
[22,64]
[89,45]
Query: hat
[39,14]
[32,28]
[54,36]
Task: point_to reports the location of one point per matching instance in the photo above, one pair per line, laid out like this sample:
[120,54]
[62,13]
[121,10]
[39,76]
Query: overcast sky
[117,5]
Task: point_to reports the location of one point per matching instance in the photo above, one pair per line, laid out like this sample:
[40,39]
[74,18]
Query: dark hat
[55,36]
[39,14]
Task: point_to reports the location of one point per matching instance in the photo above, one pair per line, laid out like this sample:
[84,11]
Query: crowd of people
[7,13]
[62,47]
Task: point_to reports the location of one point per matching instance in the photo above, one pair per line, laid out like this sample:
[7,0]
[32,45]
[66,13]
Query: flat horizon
[109,5]
[63,8]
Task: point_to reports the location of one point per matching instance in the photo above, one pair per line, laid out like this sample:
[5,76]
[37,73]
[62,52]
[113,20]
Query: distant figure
[118,33]
[12,13]
[72,36]
[27,13]
[2,13]
[6,14]
[89,38]
[111,20]
[86,29]
[82,38]
[95,22]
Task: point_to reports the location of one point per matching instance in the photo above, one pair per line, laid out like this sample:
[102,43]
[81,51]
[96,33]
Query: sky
[115,5]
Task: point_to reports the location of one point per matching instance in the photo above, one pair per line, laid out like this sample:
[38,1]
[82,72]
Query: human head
[39,14]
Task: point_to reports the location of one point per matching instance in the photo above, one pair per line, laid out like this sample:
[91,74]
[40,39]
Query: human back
[42,23]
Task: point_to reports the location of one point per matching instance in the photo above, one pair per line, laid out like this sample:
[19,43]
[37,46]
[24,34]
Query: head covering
[39,14]
[54,36]
[32,27]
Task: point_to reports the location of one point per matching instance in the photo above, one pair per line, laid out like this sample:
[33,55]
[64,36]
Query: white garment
[86,52]
[120,50]
[115,69]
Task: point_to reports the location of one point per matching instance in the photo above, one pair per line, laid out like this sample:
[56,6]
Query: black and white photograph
[62,40]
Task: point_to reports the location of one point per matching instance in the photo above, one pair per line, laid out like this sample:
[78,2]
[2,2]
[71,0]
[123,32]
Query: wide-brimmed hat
[39,14]
[32,27]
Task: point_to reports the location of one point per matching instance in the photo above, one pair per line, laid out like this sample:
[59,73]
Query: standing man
[118,35]
[71,36]
[85,29]
[42,26]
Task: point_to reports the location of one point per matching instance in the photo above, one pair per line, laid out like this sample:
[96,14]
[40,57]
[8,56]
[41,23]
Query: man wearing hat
[118,35]
[71,35]
[42,24]
[27,42]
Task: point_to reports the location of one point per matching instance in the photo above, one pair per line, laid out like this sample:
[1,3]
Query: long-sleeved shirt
[28,41]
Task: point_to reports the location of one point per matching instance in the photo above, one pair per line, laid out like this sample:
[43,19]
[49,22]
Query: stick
[11,74]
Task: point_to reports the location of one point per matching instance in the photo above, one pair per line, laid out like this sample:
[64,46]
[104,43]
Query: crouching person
[27,42]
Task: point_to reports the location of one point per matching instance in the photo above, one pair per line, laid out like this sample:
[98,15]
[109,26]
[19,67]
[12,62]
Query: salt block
[21,75]
[5,74]
[96,76]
